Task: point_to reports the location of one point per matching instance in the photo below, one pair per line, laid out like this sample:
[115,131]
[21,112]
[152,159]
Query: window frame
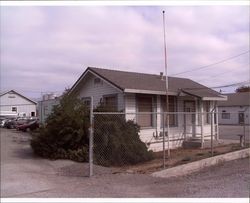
[175,109]
[86,99]
[152,121]
[104,97]
[206,109]
[15,108]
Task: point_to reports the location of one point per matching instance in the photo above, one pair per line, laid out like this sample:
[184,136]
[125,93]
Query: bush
[65,135]
[117,141]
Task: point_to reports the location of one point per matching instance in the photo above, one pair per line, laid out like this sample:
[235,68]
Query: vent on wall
[97,81]
[11,96]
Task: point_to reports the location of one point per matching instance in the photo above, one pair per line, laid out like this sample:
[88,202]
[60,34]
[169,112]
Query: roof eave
[219,98]
[140,91]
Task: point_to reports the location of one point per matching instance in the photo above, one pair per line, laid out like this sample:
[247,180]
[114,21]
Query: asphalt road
[25,175]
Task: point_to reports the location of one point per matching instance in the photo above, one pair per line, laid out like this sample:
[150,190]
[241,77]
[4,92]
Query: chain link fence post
[212,133]
[91,138]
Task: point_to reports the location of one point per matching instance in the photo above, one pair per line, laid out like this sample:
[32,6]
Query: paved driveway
[231,132]
[24,175]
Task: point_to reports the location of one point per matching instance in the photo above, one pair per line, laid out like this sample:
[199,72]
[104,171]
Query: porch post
[158,114]
[202,124]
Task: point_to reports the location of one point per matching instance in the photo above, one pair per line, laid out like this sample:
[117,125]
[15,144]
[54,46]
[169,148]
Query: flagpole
[166,74]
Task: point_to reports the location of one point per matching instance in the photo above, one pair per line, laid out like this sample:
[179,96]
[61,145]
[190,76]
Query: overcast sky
[46,49]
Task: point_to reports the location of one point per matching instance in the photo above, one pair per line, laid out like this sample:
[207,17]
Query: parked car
[31,125]
[2,122]
[10,123]
[21,121]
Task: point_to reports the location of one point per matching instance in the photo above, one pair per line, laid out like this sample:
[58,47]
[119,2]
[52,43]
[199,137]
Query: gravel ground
[25,175]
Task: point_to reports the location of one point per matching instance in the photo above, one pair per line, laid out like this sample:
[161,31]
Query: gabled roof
[236,99]
[13,91]
[154,84]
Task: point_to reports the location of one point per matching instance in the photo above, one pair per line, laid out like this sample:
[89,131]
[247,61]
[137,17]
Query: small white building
[46,106]
[236,110]
[13,103]
[135,94]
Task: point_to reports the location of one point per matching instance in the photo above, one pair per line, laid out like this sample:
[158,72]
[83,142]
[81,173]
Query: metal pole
[164,154]
[166,73]
[91,135]
[202,124]
[244,127]
[217,122]
[212,133]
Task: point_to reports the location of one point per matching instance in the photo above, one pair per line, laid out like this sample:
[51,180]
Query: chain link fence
[121,139]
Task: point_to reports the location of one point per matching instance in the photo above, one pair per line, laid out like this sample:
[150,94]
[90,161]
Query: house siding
[45,108]
[234,114]
[9,100]
[97,91]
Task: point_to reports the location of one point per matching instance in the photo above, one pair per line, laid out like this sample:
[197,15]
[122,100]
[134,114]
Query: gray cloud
[47,48]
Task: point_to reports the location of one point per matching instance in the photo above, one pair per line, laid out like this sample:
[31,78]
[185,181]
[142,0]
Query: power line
[221,86]
[213,64]
[216,75]
[231,85]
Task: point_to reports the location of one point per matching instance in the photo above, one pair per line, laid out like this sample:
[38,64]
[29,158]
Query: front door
[189,118]
[241,117]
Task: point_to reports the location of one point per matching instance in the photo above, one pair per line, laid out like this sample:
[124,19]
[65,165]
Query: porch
[190,119]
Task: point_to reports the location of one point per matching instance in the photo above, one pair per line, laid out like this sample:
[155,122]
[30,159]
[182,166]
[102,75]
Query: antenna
[166,73]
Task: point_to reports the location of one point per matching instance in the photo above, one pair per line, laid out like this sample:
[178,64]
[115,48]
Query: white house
[135,93]
[236,110]
[13,103]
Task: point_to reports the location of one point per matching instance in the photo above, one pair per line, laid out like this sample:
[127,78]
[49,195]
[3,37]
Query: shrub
[117,141]
[65,135]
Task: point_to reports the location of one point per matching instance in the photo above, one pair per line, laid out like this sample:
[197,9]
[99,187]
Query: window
[32,113]
[14,109]
[172,107]
[206,111]
[145,104]
[110,102]
[225,115]
[86,101]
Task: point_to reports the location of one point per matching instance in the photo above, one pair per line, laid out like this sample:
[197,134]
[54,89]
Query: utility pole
[166,74]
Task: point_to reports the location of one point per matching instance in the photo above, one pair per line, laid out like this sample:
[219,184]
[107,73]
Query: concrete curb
[198,165]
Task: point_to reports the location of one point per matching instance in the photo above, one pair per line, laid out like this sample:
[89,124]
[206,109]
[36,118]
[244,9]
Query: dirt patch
[179,156]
